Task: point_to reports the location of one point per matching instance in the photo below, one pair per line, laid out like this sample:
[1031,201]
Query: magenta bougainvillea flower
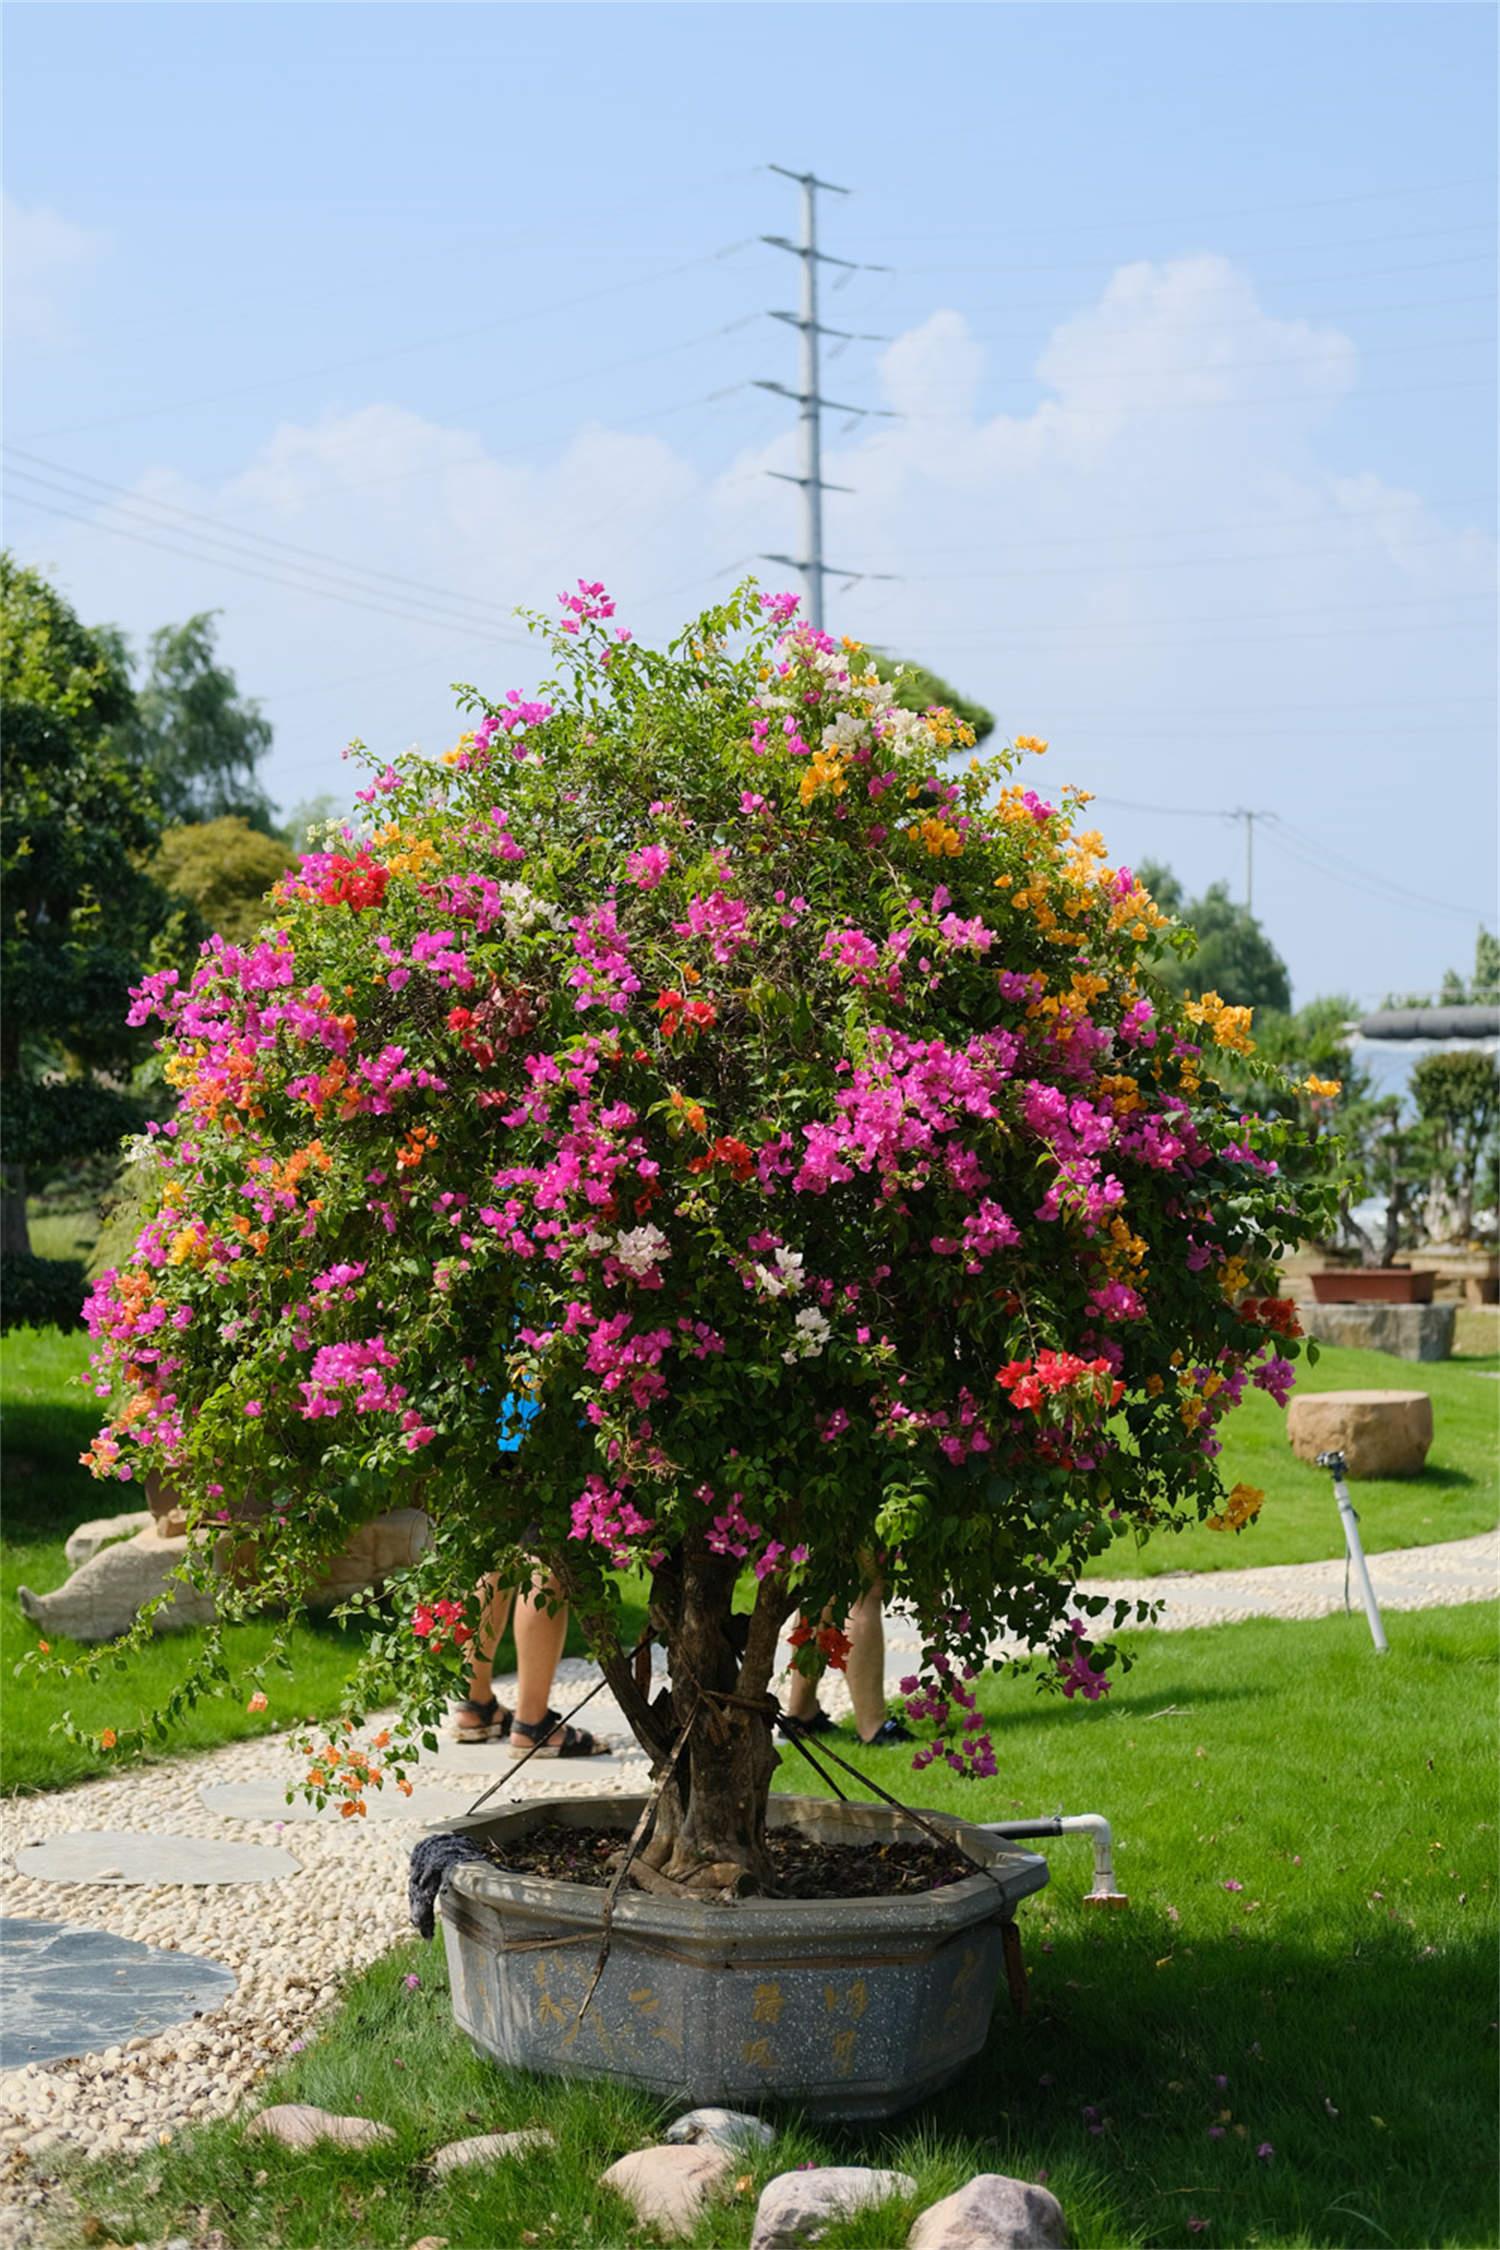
[706,1123]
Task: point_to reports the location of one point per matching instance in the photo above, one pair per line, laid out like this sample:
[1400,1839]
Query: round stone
[104,1855]
[74,1991]
[1379,1433]
[266,1800]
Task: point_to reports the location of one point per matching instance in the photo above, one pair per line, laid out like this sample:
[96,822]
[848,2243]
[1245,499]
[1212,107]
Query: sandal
[536,1740]
[799,1729]
[482,1722]
[887,1734]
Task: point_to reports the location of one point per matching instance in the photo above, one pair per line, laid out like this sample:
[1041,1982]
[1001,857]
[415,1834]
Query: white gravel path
[291,1942]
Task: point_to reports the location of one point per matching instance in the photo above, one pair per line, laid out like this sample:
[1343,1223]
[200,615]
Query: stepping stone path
[489,2148]
[304,2125]
[72,1991]
[105,1855]
[667,2188]
[266,1800]
[726,2128]
[992,2212]
[797,2207]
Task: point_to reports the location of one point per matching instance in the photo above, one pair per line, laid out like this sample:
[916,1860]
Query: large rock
[992,2213]
[667,2188]
[797,2207]
[102,1598]
[86,1540]
[303,2125]
[1405,1331]
[1379,1433]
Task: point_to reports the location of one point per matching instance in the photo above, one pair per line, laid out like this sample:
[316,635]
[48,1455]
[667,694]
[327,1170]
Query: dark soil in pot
[803,1866]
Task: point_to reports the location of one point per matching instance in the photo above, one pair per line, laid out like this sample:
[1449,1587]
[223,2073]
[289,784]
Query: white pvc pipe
[1103,1892]
[1357,1561]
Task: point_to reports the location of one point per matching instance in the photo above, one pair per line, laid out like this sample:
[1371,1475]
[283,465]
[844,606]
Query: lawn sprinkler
[1354,1558]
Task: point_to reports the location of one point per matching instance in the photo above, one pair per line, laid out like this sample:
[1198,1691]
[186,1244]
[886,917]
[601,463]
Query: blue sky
[365,323]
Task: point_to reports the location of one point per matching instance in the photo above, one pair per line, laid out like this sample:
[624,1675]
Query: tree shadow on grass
[1161,2068]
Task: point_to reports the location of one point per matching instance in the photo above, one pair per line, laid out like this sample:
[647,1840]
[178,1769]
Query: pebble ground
[291,1942]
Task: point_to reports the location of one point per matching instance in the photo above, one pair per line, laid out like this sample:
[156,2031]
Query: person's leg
[540,1634]
[801,1698]
[479,1717]
[865,1669]
[493,1615]
[541,1627]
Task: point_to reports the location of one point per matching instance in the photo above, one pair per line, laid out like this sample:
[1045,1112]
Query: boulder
[1379,1433]
[489,2148]
[103,1596]
[85,1541]
[725,2128]
[303,2125]
[992,2213]
[667,2187]
[797,2207]
[1422,1332]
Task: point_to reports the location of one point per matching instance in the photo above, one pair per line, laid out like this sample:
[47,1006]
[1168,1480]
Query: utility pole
[809,400]
[1242,812]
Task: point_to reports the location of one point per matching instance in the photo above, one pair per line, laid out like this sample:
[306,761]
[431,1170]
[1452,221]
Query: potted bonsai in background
[711,1055]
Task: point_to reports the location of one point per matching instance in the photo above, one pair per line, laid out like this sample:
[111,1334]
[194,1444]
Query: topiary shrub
[766,1121]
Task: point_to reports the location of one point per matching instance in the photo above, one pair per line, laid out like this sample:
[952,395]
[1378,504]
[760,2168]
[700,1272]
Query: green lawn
[1457,1494]
[46,1420]
[1337,2008]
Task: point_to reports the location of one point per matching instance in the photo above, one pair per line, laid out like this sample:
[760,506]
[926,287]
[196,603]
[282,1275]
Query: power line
[1310,851]
[1343,273]
[1247,211]
[395,351]
[1215,322]
[1065,407]
[180,520]
[270,577]
[1333,516]
[1254,250]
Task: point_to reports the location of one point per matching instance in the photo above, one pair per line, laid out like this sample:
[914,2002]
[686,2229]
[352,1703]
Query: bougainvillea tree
[711,1076]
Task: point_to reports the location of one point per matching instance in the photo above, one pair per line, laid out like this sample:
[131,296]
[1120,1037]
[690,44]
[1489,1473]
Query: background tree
[220,870]
[1233,957]
[201,740]
[1458,1105]
[77,821]
[917,689]
[309,813]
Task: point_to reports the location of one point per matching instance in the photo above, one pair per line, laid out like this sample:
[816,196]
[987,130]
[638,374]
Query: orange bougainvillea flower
[108,1739]
[257,1701]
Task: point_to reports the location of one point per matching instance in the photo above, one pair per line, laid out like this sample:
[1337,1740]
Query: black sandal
[797,1730]
[534,1741]
[888,1734]
[482,1722]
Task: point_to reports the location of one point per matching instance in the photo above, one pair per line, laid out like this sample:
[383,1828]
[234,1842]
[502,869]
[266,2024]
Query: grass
[1457,1494]
[1344,1994]
[48,1420]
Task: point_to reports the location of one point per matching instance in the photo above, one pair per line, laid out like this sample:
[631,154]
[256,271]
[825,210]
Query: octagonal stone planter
[848,2008]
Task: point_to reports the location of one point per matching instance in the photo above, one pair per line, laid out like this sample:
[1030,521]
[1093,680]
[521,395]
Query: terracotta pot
[846,2007]
[1372,1285]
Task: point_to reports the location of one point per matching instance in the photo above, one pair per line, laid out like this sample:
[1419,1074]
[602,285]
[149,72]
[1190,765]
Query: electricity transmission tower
[808,398]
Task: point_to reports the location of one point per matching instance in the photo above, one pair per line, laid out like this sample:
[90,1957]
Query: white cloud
[44,254]
[1154,564]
